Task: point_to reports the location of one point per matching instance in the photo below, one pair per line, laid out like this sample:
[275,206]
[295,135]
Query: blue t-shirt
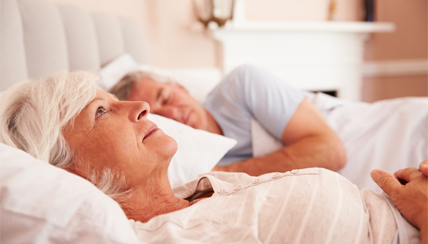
[250,92]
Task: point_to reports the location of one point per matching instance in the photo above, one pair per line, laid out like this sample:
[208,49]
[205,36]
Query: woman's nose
[140,111]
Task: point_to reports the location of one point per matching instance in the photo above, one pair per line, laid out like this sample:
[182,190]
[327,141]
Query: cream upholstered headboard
[39,37]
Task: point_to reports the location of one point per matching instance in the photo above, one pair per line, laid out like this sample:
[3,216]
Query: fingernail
[375,175]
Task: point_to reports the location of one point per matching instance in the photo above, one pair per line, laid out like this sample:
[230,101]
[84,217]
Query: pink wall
[386,87]
[409,41]
[302,10]
[176,39]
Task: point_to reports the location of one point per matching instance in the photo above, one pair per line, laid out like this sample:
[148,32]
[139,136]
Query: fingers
[423,167]
[386,181]
[407,174]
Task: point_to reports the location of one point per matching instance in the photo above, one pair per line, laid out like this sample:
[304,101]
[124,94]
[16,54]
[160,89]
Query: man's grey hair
[122,89]
[34,114]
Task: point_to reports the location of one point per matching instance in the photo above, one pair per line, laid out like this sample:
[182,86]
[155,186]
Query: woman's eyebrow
[97,99]
[93,101]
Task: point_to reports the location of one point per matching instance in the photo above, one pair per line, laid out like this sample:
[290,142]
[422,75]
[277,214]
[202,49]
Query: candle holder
[218,11]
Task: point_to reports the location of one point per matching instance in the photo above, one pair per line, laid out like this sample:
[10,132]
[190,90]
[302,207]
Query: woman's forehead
[103,94]
[100,93]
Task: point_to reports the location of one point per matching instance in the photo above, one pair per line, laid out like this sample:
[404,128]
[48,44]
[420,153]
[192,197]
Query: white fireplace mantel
[315,56]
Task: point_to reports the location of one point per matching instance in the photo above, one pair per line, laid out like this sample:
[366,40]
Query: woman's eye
[100,111]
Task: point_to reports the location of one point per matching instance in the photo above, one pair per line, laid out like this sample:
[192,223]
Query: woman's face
[114,134]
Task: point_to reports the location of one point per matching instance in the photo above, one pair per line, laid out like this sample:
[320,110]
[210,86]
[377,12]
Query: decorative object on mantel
[369,10]
[218,11]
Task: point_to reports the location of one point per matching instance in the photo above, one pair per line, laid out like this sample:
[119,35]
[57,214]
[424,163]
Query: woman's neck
[145,205]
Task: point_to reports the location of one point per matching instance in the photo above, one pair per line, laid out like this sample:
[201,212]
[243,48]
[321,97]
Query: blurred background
[395,62]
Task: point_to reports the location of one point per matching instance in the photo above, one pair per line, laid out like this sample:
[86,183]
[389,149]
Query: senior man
[246,93]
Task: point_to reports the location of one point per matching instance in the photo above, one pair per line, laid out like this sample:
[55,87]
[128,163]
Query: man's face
[170,100]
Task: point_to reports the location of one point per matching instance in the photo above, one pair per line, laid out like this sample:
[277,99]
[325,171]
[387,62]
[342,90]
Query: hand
[409,193]
[423,167]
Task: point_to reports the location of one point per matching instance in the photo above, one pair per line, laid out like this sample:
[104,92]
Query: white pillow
[41,203]
[115,70]
[198,151]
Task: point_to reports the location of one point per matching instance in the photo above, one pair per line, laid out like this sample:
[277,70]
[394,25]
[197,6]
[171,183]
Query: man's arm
[410,196]
[309,142]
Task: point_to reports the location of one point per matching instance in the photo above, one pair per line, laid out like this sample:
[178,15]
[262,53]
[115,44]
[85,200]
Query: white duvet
[390,134]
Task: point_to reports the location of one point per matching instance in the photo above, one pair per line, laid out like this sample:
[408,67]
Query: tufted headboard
[38,37]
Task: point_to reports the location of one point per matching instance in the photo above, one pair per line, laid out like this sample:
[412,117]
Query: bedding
[41,203]
[389,135]
[311,205]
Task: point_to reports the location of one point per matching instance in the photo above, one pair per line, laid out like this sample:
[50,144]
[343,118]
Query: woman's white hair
[33,115]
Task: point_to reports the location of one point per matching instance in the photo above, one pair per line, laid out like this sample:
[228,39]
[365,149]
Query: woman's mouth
[151,130]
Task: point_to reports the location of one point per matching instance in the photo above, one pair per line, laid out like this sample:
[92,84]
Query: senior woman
[63,120]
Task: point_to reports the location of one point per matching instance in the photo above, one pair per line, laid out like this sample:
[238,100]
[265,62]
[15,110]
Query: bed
[40,203]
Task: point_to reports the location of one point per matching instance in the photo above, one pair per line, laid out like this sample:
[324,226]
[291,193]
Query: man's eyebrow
[159,94]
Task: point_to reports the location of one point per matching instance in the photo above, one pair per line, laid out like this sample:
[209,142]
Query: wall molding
[403,67]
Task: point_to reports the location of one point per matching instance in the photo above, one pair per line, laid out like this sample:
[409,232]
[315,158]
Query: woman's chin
[169,148]
[173,147]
